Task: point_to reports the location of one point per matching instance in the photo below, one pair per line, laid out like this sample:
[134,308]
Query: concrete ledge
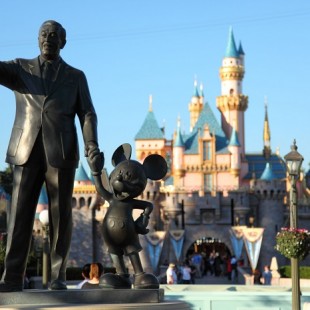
[93,296]
[166,305]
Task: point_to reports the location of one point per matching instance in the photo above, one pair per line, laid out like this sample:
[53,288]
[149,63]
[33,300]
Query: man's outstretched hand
[95,158]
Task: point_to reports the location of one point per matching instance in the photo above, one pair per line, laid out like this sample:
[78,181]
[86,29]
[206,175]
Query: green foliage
[293,243]
[285,272]
[2,252]
[6,180]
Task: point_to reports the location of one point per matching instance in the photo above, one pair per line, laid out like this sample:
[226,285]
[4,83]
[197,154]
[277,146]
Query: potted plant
[293,242]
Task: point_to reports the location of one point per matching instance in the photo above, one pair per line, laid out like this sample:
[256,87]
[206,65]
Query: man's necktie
[47,75]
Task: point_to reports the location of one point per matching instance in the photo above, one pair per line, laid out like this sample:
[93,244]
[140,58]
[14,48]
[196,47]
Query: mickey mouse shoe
[146,281]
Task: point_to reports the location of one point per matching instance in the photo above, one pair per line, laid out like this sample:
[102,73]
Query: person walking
[267,275]
[43,148]
[234,269]
[186,274]
[171,275]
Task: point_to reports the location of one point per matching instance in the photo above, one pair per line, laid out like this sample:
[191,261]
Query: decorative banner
[155,241]
[177,240]
[236,238]
[253,240]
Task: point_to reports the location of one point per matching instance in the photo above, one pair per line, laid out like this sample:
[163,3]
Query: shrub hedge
[285,272]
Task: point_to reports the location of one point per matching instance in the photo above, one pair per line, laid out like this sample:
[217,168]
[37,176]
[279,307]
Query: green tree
[6,179]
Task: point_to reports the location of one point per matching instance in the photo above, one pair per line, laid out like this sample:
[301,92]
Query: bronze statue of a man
[43,148]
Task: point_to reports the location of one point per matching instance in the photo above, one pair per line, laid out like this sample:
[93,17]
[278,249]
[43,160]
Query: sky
[131,49]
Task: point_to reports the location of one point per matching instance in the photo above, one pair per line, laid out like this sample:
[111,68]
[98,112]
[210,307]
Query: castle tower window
[207,182]
[207,152]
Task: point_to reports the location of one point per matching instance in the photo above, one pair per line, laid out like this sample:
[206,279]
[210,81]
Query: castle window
[74,203]
[231,91]
[82,202]
[207,182]
[206,150]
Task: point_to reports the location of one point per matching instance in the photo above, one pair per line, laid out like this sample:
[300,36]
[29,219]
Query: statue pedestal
[90,299]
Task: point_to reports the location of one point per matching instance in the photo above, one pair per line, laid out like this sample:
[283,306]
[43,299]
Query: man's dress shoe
[10,287]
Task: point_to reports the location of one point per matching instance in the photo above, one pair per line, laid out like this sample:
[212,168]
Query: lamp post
[43,217]
[293,162]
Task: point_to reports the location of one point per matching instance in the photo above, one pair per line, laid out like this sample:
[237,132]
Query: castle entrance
[207,246]
[209,255]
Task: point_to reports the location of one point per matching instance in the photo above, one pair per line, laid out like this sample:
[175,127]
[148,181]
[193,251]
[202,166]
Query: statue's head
[52,38]
[129,177]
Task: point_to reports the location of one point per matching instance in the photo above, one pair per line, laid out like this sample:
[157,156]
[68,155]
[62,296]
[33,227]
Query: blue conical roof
[231,50]
[206,118]
[43,200]
[234,141]
[196,92]
[201,94]
[240,49]
[267,175]
[178,139]
[80,173]
[150,128]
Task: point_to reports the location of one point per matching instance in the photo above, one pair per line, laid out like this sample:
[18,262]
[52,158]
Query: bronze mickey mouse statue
[120,231]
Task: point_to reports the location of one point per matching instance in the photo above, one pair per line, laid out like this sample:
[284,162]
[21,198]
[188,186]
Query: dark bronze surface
[120,231]
[44,149]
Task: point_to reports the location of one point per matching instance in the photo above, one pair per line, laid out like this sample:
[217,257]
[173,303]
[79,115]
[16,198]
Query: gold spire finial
[266,125]
[266,137]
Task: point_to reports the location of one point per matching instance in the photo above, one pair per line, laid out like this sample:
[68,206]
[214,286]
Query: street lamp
[43,217]
[293,162]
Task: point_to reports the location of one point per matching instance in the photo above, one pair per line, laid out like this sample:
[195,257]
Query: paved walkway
[213,280]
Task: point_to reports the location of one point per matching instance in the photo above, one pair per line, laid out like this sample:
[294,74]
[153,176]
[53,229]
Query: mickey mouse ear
[123,152]
[155,167]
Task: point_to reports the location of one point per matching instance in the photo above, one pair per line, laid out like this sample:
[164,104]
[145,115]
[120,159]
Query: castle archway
[207,240]
[208,245]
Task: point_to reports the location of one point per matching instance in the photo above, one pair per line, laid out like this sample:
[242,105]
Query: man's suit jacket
[53,113]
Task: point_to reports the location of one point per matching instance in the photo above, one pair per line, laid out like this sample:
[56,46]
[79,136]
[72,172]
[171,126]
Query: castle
[213,184]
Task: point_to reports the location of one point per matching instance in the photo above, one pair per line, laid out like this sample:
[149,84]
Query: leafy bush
[2,251]
[285,272]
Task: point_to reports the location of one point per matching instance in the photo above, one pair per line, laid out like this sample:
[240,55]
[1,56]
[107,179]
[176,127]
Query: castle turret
[232,103]
[178,157]
[234,148]
[196,105]
[150,138]
[270,190]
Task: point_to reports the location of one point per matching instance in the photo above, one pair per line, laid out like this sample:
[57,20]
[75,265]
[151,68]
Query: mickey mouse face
[128,179]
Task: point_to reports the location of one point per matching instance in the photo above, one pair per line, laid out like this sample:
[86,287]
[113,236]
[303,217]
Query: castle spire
[231,50]
[232,103]
[266,135]
[178,157]
[196,105]
[201,94]
[150,103]
[178,139]
[196,93]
